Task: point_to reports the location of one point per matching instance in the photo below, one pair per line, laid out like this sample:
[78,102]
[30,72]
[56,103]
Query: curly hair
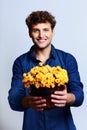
[40,17]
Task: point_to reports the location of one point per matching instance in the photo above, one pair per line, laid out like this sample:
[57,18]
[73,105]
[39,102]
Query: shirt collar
[53,52]
[32,55]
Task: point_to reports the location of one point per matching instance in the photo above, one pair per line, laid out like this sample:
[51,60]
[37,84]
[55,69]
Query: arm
[73,94]
[75,85]
[19,98]
[17,91]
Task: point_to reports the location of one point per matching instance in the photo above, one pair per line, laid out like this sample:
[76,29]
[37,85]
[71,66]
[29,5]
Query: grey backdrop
[70,35]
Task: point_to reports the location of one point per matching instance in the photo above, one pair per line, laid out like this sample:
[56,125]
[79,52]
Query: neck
[43,54]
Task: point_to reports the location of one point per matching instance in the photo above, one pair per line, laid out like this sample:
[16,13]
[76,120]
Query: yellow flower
[45,76]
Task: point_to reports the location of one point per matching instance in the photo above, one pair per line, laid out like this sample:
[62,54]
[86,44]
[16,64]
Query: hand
[37,103]
[59,98]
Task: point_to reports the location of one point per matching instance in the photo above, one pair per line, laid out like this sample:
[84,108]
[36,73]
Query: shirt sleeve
[17,91]
[75,85]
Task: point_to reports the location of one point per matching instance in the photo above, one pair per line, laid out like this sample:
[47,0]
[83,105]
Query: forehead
[42,25]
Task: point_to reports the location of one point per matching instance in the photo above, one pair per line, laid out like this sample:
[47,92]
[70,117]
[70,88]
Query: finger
[35,98]
[60,105]
[58,101]
[38,107]
[41,101]
[41,105]
[60,92]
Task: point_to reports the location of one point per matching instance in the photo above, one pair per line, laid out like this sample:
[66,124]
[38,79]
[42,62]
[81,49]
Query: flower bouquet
[44,80]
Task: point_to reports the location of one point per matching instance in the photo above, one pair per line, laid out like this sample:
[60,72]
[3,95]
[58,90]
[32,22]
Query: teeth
[41,40]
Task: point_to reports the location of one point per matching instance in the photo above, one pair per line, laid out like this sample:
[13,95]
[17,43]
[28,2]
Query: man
[41,30]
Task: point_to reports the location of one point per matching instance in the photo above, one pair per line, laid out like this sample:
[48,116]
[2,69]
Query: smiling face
[42,35]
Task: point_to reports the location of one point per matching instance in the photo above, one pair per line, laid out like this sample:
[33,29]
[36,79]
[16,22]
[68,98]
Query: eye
[35,30]
[46,29]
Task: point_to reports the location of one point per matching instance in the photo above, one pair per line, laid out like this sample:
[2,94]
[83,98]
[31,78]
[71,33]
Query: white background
[70,35]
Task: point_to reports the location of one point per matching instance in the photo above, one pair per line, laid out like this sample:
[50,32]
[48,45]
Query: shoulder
[24,61]
[66,55]
[60,52]
[70,60]
[67,58]
[21,62]
[25,56]
[21,58]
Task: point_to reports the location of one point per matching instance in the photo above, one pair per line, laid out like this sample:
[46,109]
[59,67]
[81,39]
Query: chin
[40,47]
[43,46]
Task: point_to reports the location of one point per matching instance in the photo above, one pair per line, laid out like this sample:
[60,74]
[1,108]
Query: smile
[41,40]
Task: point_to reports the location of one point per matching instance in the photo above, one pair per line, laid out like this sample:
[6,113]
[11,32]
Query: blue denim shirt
[59,118]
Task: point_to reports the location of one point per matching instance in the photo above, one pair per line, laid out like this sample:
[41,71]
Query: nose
[41,34]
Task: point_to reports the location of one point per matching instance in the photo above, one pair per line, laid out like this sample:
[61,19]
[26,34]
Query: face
[41,35]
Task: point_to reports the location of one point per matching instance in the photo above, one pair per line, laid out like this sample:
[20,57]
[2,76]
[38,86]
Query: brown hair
[40,17]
